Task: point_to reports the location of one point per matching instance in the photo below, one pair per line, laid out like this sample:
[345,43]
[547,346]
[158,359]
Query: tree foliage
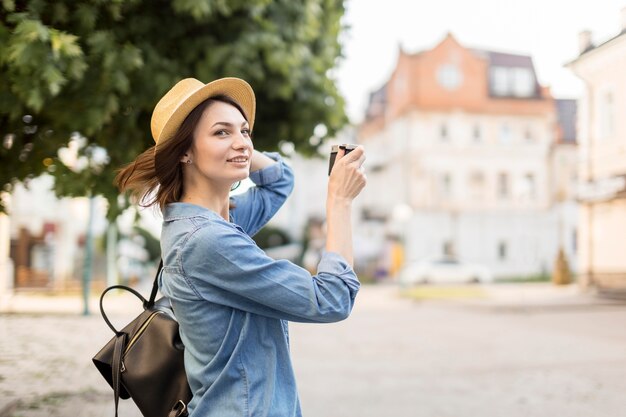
[98,67]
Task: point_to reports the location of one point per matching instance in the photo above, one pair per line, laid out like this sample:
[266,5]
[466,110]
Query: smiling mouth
[238,159]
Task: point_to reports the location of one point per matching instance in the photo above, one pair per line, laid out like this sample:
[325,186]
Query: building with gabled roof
[468,155]
[602,132]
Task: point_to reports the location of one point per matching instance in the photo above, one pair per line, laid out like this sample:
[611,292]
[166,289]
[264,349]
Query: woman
[232,301]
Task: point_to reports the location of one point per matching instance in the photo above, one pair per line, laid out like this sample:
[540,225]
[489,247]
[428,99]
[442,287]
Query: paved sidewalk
[497,296]
[519,350]
[46,346]
[538,296]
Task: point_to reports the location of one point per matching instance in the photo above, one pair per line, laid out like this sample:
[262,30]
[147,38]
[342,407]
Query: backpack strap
[155,286]
[116,366]
[146,303]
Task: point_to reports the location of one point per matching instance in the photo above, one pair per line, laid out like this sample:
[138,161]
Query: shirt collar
[174,211]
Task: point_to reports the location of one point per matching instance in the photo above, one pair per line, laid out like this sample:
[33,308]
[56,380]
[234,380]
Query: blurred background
[492,131]
[496,149]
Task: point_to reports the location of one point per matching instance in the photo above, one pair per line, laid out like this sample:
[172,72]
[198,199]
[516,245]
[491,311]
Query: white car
[444,270]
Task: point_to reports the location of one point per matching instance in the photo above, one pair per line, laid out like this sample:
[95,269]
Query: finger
[358,162]
[355,154]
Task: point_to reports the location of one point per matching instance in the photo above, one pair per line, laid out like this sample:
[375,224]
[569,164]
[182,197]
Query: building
[42,241]
[469,156]
[602,168]
[46,236]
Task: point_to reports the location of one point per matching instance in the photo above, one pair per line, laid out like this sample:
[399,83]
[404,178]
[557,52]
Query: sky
[547,30]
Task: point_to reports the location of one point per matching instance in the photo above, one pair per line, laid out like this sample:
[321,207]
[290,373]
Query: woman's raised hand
[347,178]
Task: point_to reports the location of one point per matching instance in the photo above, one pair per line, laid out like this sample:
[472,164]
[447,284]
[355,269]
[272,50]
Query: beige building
[469,156]
[602,135]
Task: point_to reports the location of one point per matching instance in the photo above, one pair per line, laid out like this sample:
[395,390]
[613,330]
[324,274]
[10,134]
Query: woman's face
[221,148]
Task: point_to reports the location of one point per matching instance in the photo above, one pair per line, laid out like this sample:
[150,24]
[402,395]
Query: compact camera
[333,153]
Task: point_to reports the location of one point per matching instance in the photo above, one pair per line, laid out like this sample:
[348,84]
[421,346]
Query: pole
[6,271]
[87,269]
[112,277]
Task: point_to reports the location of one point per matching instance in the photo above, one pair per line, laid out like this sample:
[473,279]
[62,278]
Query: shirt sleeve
[223,265]
[254,208]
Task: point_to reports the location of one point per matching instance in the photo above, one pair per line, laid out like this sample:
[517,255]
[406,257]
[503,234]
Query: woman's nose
[241,141]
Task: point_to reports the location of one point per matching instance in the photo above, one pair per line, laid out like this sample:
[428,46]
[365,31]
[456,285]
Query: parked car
[444,270]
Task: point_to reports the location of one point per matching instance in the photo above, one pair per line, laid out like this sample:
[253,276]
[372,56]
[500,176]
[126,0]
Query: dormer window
[512,81]
[500,81]
[523,82]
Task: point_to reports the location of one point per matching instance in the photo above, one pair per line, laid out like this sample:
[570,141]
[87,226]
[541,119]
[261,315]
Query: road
[396,358]
[393,357]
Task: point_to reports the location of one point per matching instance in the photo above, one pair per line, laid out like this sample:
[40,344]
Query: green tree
[97,67]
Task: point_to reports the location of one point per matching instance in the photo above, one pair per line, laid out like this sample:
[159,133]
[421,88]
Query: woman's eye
[246,132]
[221,133]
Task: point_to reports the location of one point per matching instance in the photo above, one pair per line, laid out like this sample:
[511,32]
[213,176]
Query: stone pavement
[521,350]
[46,347]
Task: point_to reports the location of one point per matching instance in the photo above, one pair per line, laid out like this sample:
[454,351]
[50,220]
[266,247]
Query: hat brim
[235,88]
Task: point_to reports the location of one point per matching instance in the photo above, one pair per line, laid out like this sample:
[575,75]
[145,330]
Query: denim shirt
[232,301]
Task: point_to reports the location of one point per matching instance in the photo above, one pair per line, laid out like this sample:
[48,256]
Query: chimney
[623,20]
[584,41]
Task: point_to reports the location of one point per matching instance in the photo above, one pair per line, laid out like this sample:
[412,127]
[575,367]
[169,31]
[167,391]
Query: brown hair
[156,176]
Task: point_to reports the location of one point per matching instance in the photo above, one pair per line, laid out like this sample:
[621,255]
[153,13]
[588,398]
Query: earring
[188,161]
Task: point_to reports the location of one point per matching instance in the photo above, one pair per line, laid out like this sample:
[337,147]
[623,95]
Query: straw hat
[176,104]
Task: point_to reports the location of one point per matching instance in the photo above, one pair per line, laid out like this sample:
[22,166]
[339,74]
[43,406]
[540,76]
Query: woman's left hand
[259,161]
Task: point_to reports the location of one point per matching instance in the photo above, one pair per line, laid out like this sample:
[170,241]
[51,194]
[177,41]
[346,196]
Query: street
[393,357]
[449,360]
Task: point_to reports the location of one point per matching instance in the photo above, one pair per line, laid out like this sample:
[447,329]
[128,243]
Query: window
[506,135]
[446,185]
[502,251]
[512,81]
[449,76]
[477,133]
[448,248]
[503,185]
[476,184]
[607,115]
[443,132]
[477,178]
[530,186]
[500,81]
[528,134]
[523,83]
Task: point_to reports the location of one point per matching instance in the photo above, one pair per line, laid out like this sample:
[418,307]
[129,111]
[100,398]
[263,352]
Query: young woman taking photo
[231,300]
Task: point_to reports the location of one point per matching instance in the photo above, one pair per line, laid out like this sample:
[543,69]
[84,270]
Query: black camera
[333,153]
